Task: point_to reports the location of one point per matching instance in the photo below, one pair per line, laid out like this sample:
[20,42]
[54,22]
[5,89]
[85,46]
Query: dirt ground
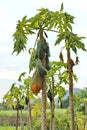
[11,120]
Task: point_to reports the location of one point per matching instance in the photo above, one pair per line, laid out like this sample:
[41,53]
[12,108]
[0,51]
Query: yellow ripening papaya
[36,84]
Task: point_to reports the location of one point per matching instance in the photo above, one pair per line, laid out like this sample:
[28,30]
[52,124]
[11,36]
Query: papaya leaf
[69,26]
[32,63]
[80,45]
[21,75]
[24,18]
[61,9]
[74,49]
[20,40]
[75,77]
[50,26]
[61,37]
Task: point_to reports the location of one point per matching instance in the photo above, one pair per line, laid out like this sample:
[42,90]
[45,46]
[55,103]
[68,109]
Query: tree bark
[61,104]
[21,120]
[43,89]
[44,99]
[52,107]
[44,104]
[29,110]
[17,119]
[72,126]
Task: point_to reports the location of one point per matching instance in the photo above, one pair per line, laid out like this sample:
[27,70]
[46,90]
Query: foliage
[20,36]
[32,62]
[80,121]
[79,100]
[46,20]
[15,97]
[61,119]
[7,128]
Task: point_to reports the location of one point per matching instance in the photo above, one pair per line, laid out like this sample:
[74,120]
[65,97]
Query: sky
[11,66]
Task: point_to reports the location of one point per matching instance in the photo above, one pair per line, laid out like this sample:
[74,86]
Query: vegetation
[49,78]
[61,120]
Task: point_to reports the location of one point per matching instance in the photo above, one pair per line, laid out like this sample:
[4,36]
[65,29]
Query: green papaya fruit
[41,68]
[49,95]
[39,51]
[47,63]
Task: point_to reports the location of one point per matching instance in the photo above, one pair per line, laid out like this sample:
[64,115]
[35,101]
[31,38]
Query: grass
[11,113]
[11,128]
[61,115]
[7,128]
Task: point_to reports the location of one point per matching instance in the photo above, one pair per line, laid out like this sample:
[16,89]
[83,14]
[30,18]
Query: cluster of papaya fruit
[42,51]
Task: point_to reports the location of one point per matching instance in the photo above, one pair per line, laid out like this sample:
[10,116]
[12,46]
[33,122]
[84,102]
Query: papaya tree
[28,97]
[9,101]
[73,42]
[54,85]
[15,99]
[26,81]
[23,29]
[39,76]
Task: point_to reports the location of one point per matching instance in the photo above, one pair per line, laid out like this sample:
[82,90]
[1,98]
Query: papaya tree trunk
[61,103]
[21,120]
[29,110]
[17,119]
[43,89]
[70,71]
[30,118]
[52,107]
[44,104]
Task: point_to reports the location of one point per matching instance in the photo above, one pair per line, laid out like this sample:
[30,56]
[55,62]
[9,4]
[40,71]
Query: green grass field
[11,128]
[7,128]
[11,113]
[61,116]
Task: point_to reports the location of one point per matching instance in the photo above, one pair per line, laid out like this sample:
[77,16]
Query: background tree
[15,99]
[26,81]
[72,41]
[54,84]
[79,100]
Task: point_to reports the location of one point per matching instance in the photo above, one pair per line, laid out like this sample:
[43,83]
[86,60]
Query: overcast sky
[11,66]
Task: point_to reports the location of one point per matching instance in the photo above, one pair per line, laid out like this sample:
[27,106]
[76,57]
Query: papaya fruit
[49,95]
[26,100]
[47,49]
[40,50]
[42,70]
[47,63]
[36,84]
